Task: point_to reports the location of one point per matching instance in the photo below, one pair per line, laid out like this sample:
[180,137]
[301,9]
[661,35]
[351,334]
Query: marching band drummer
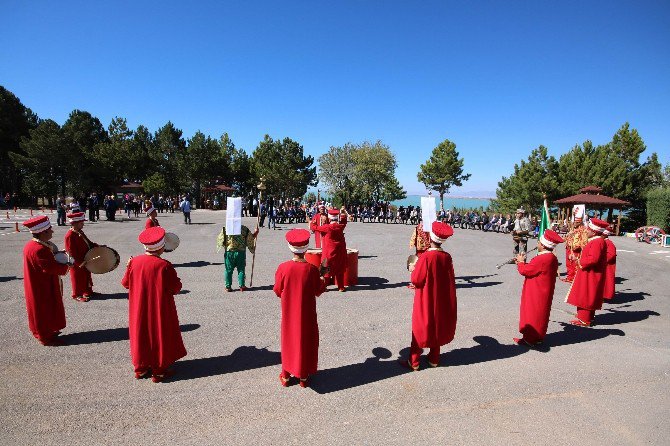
[434,310]
[153,325]
[152,221]
[334,247]
[320,218]
[42,284]
[77,244]
[297,284]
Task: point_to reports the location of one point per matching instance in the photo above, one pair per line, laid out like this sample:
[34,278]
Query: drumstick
[89,260]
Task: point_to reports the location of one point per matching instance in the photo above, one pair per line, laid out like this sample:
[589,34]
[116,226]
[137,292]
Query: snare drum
[101,260]
[171,241]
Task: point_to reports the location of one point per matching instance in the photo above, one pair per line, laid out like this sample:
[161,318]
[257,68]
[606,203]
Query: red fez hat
[440,232]
[76,216]
[298,240]
[598,225]
[153,238]
[38,224]
[333,214]
[550,239]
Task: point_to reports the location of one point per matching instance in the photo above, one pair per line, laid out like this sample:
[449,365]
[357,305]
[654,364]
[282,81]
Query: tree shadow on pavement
[488,349]
[371,370]
[195,264]
[573,334]
[615,317]
[241,359]
[376,283]
[109,335]
[621,297]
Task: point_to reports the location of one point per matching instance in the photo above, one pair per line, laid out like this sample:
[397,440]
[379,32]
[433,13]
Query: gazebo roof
[132,185]
[593,200]
[593,189]
[218,188]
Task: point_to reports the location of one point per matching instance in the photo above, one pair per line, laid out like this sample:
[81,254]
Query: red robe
[298,284]
[610,271]
[150,223]
[155,337]
[586,291]
[43,288]
[334,250]
[77,246]
[316,221]
[434,312]
[536,295]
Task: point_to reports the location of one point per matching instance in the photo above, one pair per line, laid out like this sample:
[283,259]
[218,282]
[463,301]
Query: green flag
[545,222]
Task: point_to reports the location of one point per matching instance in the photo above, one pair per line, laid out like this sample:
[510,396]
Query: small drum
[411,262]
[101,260]
[171,241]
[313,256]
[62,257]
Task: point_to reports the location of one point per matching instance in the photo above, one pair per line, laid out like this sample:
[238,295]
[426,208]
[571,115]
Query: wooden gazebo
[220,190]
[593,199]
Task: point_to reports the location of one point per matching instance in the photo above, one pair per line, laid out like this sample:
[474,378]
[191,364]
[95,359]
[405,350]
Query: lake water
[449,202]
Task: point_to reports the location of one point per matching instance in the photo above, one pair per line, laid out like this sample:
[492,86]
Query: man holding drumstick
[77,245]
[42,284]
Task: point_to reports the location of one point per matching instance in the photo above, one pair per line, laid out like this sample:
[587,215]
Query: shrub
[658,208]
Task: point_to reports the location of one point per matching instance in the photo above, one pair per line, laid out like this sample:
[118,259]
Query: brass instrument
[510,261]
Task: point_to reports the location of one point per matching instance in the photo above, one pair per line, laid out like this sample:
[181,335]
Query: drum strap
[47,245]
[86,239]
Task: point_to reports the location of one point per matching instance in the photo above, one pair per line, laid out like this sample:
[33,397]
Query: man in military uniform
[520,232]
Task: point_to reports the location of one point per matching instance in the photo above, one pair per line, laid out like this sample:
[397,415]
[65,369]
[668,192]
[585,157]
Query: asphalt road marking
[623,250]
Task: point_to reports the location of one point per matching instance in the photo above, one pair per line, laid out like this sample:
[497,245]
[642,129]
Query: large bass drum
[101,260]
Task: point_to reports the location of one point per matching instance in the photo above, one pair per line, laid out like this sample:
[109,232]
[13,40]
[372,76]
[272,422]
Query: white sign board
[428,212]
[234,216]
[579,211]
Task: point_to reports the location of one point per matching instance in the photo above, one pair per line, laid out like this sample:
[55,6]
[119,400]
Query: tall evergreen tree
[443,170]
[16,121]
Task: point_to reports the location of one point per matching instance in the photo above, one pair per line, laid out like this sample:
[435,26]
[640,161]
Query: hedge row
[658,208]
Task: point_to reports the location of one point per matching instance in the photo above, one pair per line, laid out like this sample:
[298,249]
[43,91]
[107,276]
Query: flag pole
[261,188]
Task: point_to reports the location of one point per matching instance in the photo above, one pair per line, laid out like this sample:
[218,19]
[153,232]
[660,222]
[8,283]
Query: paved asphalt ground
[601,385]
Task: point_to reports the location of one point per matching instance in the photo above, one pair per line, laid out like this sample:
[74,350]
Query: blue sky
[498,78]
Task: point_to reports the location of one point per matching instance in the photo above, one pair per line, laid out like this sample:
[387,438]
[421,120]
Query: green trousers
[235,259]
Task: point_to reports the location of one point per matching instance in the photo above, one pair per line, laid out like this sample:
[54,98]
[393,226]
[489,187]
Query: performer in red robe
[152,221]
[152,282]
[586,292]
[297,284]
[610,272]
[42,284]
[77,245]
[319,219]
[334,247]
[538,289]
[434,312]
